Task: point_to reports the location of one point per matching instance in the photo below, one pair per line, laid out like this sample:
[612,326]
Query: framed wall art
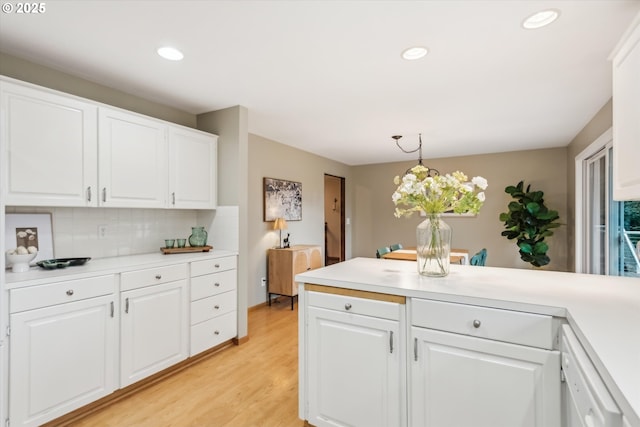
[22,229]
[282,199]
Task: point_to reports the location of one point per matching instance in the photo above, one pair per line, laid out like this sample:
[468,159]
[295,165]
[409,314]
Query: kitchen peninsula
[501,326]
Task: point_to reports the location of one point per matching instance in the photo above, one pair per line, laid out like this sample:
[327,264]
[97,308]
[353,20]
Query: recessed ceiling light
[414,53]
[170,53]
[540,19]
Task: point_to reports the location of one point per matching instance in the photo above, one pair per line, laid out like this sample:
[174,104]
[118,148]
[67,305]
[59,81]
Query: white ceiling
[327,76]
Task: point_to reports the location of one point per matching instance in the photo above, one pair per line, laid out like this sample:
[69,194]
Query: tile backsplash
[77,232]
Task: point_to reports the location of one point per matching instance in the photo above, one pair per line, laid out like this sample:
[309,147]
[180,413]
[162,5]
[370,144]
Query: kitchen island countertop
[604,311]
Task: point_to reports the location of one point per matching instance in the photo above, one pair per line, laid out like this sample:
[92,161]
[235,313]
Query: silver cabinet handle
[104,194]
[88,194]
[476,323]
[126,305]
[158,276]
[391,342]
[173,198]
[347,306]
[112,309]
[415,349]
[70,292]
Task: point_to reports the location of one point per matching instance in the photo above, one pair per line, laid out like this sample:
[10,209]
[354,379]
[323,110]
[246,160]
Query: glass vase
[198,236]
[433,246]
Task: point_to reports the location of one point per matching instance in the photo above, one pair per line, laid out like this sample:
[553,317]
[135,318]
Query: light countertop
[38,276]
[603,311]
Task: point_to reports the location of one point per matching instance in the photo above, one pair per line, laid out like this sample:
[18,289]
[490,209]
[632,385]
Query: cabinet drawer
[209,334]
[355,305]
[60,292]
[208,308]
[213,284]
[207,266]
[502,325]
[152,276]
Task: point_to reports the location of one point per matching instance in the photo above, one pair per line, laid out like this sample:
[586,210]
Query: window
[607,232]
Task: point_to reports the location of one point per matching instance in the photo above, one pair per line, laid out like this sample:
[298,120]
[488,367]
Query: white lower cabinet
[482,367]
[62,356]
[214,303]
[355,362]
[369,360]
[67,336]
[154,329]
[459,380]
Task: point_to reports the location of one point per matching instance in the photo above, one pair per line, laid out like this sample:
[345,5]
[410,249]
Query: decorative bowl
[20,263]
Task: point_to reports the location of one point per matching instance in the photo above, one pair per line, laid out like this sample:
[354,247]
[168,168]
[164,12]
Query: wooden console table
[285,263]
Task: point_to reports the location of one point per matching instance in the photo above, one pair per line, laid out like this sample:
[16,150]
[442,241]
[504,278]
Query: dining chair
[395,246]
[381,251]
[479,258]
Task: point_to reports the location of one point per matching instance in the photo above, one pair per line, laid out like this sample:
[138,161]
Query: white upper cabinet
[133,160]
[626,115]
[50,142]
[192,169]
[62,150]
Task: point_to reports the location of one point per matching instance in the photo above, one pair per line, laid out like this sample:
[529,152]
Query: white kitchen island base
[479,347]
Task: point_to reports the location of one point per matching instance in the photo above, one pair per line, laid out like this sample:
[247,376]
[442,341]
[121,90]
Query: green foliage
[529,221]
[632,215]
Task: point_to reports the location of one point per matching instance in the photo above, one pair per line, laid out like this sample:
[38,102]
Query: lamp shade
[280,224]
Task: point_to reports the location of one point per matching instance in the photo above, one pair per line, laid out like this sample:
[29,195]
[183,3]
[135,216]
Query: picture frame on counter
[282,199]
[30,229]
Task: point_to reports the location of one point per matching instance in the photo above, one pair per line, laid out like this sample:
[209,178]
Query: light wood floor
[254,384]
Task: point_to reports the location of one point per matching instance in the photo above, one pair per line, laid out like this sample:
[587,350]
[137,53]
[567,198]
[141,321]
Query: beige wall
[600,123]
[268,158]
[374,224]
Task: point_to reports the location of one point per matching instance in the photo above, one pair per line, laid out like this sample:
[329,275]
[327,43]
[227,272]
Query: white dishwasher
[586,400]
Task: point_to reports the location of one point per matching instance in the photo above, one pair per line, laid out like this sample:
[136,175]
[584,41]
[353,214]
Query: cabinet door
[354,370]
[51,147]
[626,117]
[133,160]
[458,380]
[62,357]
[154,330]
[315,257]
[192,169]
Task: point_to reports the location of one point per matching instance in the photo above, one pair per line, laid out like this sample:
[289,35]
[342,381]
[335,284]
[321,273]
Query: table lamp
[280,224]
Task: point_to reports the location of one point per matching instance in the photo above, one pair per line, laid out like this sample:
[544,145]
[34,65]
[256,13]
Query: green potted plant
[529,221]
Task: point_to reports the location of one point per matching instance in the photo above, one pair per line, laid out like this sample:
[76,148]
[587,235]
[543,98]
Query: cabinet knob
[347,306]
[216,332]
[70,292]
[217,285]
[217,307]
[158,276]
[476,323]
[217,265]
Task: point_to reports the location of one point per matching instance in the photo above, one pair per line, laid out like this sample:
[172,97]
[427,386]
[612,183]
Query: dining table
[456,256]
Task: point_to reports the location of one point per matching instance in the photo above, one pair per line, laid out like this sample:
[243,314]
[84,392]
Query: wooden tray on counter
[186,249]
